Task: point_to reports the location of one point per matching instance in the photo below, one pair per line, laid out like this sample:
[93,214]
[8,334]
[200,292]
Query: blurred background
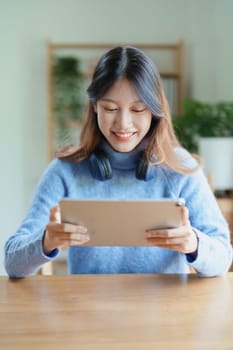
[26,26]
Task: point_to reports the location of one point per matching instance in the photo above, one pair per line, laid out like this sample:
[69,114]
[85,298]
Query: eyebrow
[110,100]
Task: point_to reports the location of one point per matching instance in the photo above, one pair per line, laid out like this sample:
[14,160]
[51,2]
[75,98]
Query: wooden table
[117,312]
[226,206]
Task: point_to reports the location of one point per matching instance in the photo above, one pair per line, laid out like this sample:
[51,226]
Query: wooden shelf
[158,46]
[170,74]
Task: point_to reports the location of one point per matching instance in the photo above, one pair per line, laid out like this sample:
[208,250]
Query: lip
[123,136]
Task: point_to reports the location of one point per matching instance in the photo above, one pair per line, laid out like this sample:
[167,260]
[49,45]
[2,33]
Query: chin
[124,146]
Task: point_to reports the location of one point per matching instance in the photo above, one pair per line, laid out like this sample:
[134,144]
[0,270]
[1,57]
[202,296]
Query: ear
[95,107]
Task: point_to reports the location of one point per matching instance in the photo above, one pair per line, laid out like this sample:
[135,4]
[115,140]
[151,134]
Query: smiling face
[122,117]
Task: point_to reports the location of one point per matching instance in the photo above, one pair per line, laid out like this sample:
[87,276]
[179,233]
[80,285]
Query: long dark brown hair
[132,64]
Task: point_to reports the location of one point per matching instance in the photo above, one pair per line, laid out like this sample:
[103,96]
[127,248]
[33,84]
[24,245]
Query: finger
[75,238]
[72,240]
[165,234]
[172,244]
[67,228]
[167,240]
[184,216]
[170,247]
[55,214]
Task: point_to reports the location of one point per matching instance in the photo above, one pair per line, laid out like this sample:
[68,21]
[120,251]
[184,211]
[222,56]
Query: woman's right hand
[62,235]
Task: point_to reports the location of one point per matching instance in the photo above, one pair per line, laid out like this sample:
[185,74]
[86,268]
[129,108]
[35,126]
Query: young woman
[127,150]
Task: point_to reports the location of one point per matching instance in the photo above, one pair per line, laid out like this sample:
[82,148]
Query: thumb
[55,214]
[185,216]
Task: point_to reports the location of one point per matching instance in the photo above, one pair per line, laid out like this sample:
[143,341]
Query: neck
[123,160]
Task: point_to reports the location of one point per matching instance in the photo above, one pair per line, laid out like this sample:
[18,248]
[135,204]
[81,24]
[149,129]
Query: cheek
[103,123]
[146,123]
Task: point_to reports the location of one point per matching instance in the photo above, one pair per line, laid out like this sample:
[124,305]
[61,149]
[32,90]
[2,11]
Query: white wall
[25,26]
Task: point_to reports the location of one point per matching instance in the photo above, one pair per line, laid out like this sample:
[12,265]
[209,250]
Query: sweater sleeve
[23,251]
[214,255]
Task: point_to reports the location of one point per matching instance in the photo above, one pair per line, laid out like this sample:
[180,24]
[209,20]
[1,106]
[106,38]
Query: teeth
[128,134]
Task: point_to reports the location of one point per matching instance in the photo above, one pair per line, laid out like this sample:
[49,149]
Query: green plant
[203,120]
[68,90]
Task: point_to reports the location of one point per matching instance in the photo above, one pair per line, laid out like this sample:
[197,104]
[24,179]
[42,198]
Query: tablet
[121,222]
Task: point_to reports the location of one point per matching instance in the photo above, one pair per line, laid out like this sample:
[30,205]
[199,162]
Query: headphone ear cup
[101,169]
[144,171]
[100,166]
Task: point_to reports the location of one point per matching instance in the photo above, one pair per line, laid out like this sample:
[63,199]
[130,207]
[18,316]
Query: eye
[136,110]
[110,109]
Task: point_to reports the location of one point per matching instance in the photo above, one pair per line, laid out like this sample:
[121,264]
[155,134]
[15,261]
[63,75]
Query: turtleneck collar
[123,160]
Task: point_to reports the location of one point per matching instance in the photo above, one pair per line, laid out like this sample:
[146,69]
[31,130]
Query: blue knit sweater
[24,253]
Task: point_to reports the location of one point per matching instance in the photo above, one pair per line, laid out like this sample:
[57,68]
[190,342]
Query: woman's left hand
[182,239]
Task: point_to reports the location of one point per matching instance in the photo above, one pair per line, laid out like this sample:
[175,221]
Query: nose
[123,120]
